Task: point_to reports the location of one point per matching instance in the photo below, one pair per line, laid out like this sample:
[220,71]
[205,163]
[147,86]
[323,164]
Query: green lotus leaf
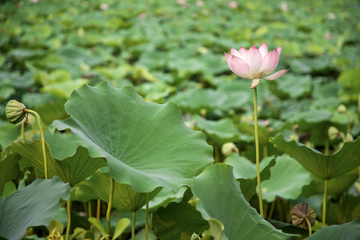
[245,173]
[98,187]
[343,210]
[288,178]
[27,206]
[164,197]
[221,131]
[9,169]
[63,90]
[336,187]
[229,206]
[323,166]
[146,144]
[73,169]
[349,231]
[176,218]
[193,100]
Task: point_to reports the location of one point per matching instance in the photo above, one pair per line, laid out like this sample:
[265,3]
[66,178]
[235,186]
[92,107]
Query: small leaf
[98,225]
[120,227]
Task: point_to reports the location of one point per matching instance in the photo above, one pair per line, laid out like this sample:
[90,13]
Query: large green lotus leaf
[62,145]
[323,166]
[98,187]
[52,111]
[176,218]
[336,187]
[146,144]
[348,231]
[164,197]
[221,131]
[287,179]
[193,100]
[72,169]
[34,205]
[294,86]
[9,169]
[228,205]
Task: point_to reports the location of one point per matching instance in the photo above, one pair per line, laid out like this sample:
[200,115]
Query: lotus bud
[349,138]
[294,136]
[15,111]
[229,148]
[333,132]
[342,109]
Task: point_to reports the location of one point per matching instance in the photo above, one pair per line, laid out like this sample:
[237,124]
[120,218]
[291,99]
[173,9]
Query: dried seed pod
[299,214]
[15,111]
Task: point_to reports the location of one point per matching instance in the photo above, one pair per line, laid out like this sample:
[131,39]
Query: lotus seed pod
[341,108]
[333,132]
[15,111]
[229,148]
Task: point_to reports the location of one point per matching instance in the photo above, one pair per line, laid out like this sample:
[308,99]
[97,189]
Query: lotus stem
[324,202]
[339,209]
[326,151]
[265,151]
[89,209]
[309,225]
[257,153]
[42,138]
[133,226]
[68,210]
[147,217]
[272,207]
[108,212]
[98,209]
[23,129]
[348,121]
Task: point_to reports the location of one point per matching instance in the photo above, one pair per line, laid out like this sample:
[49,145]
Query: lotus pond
[125,120]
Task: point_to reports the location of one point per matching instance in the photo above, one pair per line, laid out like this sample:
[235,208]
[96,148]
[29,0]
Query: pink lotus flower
[255,63]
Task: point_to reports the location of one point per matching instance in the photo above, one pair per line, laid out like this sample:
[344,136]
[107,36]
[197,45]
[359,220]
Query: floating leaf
[323,166]
[98,187]
[228,206]
[146,144]
[24,208]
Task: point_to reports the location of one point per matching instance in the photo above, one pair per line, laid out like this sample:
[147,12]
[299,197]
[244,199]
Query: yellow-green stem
[257,153]
[108,212]
[22,129]
[348,122]
[265,151]
[98,209]
[42,138]
[326,151]
[339,209]
[68,210]
[133,226]
[147,217]
[272,208]
[324,202]
[309,225]
[89,209]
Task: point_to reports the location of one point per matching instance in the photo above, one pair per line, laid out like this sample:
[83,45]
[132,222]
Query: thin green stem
[309,225]
[324,202]
[23,129]
[348,122]
[133,226]
[326,151]
[42,138]
[257,154]
[68,210]
[89,209]
[339,209]
[265,151]
[108,212]
[98,205]
[272,208]
[147,217]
